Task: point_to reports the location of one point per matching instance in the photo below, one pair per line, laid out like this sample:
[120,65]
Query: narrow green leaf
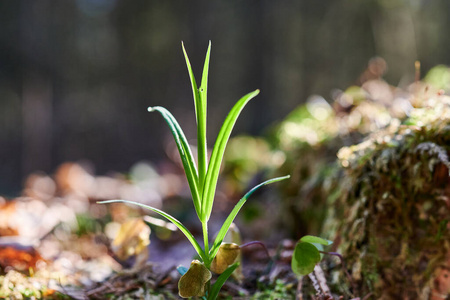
[305,258]
[212,175]
[201,123]
[193,83]
[221,280]
[177,223]
[204,84]
[226,225]
[315,240]
[185,154]
[200,113]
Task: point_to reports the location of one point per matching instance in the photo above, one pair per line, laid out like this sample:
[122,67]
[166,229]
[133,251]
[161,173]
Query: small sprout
[307,254]
[228,252]
[193,282]
[305,258]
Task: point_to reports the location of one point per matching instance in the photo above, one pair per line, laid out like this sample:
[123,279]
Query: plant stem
[208,289]
[205,239]
[260,244]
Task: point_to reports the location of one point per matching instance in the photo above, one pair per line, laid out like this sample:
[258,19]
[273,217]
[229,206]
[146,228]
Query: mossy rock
[392,216]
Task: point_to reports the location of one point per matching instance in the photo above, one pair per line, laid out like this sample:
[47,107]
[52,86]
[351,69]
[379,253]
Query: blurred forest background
[76,77]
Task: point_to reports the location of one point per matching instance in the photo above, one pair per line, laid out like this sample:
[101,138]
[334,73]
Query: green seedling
[307,253]
[202,179]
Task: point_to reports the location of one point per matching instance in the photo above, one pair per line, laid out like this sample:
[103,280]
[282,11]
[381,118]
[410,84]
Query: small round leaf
[304,259]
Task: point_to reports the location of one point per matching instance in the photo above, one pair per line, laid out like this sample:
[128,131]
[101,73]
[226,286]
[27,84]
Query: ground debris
[146,281]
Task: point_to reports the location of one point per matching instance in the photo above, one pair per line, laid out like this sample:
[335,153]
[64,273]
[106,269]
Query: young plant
[202,179]
[307,253]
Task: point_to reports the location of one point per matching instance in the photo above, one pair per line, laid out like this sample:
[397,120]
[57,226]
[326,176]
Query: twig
[299,288]
[321,279]
[159,280]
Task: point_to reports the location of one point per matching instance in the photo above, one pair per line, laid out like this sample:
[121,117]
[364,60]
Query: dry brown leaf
[193,283]
[226,256]
[132,239]
[21,258]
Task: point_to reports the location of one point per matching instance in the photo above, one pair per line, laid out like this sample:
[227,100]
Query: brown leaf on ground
[18,257]
[7,210]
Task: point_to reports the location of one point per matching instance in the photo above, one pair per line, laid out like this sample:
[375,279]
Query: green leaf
[204,84]
[221,280]
[226,225]
[185,154]
[200,112]
[305,258]
[320,248]
[212,175]
[193,83]
[201,123]
[177,223]
[315,240]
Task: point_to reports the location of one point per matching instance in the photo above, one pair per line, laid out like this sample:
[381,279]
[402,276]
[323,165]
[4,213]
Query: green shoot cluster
[202,179]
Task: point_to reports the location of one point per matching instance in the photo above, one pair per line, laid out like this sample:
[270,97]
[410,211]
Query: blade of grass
[214,292]
[185,154]
[212,175]
[226,225]
[177,223]
[202,145]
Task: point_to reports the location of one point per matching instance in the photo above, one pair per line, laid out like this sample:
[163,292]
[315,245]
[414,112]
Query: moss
[386,199]
[393,208]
